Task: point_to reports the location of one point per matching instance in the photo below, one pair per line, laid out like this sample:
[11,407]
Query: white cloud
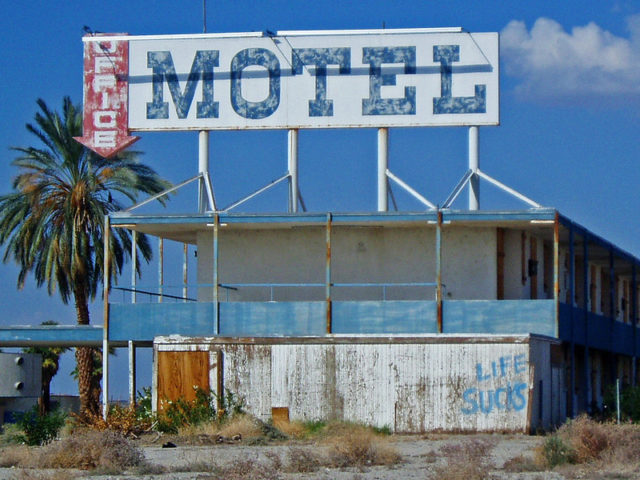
[588,63]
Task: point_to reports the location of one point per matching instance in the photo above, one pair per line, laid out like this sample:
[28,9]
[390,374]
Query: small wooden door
[179,372]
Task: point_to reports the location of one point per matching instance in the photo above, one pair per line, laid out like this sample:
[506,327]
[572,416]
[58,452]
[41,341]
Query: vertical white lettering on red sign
[106,117]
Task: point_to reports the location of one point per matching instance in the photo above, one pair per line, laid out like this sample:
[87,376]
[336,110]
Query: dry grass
[24,474]
[466,460]
[248,469]
[293,429]
[357,445]
[106,451]
[522,464]
[244,425]
[17,456]
[303,460]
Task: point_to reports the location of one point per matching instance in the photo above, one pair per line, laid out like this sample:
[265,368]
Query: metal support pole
[612,315]
[439,271]
[203,166]
[216,304]
[160,269]
[634,322]
[572,296]
[328,275]
[293,170]
[585,306]
[134,265]
[105,338]
[474,164]
[132,373]
[383,165]
[185,276]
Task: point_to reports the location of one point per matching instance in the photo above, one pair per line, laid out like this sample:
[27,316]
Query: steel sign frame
[313,79]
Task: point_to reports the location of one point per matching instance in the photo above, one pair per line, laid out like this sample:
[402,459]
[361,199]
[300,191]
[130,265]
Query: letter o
[262,58]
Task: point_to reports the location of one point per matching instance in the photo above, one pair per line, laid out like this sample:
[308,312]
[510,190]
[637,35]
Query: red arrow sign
[106,91]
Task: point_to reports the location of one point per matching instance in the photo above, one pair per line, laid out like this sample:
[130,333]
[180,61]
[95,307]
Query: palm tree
[52,222]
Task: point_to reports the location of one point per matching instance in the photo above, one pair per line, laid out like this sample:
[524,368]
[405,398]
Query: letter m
[201,69]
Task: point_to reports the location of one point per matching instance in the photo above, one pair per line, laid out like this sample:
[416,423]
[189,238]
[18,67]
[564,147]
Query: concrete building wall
[358,255]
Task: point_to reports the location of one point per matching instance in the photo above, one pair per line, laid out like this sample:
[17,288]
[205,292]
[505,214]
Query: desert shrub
[123,419]
[357,445]
[16,456]
[106,450]
[314,427]
[522,464]
[247,469]
[588,439]
[40,429]
[301,460]
[605,444]
[629,404]
[467,459]
[181,412]
[555,451]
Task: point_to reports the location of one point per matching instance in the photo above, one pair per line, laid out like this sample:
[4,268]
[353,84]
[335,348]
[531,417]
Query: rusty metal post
[106,280]
[439,270]
[328,275]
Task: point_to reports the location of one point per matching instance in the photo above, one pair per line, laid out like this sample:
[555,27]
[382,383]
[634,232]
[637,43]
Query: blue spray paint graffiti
[511,396]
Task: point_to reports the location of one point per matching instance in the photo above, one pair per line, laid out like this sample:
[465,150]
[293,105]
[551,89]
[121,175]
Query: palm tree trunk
[88,381]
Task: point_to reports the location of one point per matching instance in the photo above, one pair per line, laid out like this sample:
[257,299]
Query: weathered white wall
[408,387]
[358,255]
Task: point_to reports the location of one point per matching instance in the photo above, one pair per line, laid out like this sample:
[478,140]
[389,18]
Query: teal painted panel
[385,317]
[54,334]
[499,316]
[144,321]
[272,319]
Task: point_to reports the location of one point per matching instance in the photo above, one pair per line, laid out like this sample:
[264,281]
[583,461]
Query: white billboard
[333,79]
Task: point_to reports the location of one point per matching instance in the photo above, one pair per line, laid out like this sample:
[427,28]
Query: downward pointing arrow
[106,117]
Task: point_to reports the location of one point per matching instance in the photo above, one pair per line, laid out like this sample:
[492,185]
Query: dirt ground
[422,457]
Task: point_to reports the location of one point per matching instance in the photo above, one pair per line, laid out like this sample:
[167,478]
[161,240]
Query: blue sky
[569,133]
